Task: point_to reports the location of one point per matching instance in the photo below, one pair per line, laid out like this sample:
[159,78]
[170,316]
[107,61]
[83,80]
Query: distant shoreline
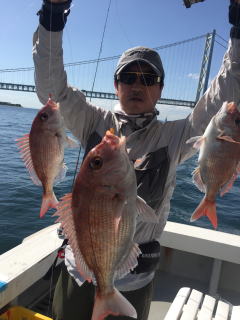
[2,103]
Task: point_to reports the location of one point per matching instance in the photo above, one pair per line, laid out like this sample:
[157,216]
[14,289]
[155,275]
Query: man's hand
[53,14]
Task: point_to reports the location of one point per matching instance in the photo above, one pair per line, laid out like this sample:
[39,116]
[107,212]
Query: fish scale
[46,173]
[43,152]
[219,159]
[99,219]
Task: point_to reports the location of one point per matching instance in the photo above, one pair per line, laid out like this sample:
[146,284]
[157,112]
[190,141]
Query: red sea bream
[43,151]
[218,160]
[99,220]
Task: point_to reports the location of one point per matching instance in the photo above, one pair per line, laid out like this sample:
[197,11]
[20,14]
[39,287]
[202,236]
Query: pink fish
[43,152]
[99,219]
[219,159]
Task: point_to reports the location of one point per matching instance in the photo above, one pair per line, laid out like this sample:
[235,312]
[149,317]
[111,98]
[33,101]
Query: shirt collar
[136,121]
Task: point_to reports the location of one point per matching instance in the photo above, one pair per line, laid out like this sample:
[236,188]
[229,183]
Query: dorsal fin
[23,145]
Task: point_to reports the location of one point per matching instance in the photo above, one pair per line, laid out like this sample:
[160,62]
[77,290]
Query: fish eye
[96,163]
[44,116]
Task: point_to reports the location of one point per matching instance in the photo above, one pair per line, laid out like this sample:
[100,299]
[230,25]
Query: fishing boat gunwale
[201,258]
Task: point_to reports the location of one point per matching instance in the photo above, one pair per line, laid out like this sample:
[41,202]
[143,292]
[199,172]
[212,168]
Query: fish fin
[83,269]
[197,141]
[70,142]
[227,138]
[65,217]
[130,262]
[48,201]
[226,187]
[62,174]
[115,304]
[197,180]
[230,183]
[23,145]
[146,213]
[206,208]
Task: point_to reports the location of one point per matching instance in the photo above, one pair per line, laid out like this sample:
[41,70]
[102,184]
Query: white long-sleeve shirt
[159,147]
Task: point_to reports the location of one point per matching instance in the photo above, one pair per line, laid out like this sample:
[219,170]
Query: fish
[99,219]
[42,151]
[219,159]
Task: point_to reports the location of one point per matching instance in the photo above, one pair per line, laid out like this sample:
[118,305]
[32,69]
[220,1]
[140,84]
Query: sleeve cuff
[234,13]
[53,16]
[235,32]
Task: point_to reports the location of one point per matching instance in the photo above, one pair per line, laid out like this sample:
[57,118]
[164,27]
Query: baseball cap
[141,54]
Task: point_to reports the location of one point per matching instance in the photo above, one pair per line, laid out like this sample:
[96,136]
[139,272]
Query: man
[155,148]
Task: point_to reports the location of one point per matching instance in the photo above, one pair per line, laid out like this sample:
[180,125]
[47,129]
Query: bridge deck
[94,94]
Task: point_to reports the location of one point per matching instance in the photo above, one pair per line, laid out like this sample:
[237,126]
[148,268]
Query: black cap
[141,54]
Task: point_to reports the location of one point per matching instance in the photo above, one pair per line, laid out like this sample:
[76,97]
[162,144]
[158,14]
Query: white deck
[191,257]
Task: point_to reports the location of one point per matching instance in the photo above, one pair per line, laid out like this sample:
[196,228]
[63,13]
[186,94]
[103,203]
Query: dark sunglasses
[147,79]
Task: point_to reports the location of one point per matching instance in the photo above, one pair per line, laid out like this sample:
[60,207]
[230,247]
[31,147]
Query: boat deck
[166,288]
[192,257]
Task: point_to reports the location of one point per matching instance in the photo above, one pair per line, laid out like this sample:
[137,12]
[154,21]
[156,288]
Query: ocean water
[20,199]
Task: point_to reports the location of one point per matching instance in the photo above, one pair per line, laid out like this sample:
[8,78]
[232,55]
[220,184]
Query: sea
[20,199]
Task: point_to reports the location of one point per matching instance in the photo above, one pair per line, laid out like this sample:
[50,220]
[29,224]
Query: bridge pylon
[206,64]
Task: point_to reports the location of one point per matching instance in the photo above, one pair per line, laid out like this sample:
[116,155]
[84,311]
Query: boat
[192,258]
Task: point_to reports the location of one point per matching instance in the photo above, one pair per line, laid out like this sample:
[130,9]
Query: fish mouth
[233,109]
[111,139]
[112,142]
[52,104]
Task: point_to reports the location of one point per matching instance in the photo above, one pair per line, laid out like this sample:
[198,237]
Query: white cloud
[194,76]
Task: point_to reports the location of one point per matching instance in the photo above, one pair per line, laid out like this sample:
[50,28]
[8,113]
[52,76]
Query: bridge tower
[206,64]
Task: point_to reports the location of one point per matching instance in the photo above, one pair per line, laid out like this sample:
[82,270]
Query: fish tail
[206,208]
[48,201]
[114,304]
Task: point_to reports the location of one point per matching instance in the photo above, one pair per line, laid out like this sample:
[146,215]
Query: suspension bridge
[187,66]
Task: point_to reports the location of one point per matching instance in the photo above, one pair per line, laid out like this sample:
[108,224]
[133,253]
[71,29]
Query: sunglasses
[147,79]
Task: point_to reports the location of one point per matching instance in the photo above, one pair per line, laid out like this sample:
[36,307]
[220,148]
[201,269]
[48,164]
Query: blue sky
[150,23]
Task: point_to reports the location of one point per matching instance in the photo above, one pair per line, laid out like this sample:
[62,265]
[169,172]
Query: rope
[100,50]
[98,60]
[76,168]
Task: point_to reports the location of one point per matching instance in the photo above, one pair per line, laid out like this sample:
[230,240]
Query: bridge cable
[70,64]
[224,40]
[222,45]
